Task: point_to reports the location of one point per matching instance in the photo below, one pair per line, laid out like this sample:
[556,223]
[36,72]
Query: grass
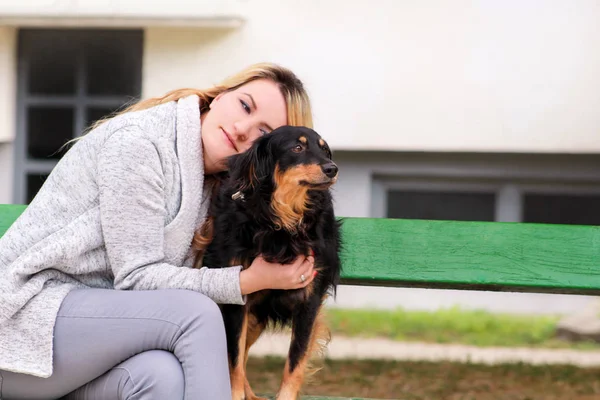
[435,381]
[452,325]
[408,380]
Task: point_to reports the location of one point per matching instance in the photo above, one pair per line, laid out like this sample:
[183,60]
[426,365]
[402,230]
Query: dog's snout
[330,169]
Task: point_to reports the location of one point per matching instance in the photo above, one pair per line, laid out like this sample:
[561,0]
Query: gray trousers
[134,345]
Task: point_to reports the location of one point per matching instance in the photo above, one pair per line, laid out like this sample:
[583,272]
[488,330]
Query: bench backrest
[460,255]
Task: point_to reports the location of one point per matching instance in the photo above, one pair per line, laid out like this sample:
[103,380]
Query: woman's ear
[217,98]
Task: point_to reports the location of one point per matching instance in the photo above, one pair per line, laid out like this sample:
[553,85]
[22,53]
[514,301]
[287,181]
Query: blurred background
[453,110]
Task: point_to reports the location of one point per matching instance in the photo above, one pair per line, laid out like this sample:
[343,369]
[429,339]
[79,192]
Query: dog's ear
[251,167]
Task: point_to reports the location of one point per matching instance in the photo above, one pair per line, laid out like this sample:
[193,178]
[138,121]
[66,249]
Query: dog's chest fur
[239,237]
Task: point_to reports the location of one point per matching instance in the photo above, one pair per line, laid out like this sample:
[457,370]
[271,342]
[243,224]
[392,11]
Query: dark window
[48,128]
[562,209]
[34,183]
[94,114]
[113,68]
[51,59]
[457,206]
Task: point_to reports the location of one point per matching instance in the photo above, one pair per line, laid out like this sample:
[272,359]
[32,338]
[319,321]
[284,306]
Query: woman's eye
[245,106]
[297,149]
[264,132]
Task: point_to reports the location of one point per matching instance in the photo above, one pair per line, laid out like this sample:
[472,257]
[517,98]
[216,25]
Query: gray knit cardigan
[118,211]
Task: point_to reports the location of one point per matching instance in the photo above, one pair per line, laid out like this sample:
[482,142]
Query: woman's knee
[196,307]
[154,374]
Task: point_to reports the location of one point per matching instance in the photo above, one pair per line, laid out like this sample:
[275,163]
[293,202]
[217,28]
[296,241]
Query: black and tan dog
[276,203]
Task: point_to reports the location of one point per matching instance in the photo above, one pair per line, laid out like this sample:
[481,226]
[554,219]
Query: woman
[120,211]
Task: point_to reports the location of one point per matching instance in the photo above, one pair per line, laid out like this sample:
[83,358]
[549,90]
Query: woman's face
[238,117]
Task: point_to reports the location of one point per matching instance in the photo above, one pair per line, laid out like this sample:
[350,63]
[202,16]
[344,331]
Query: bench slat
[461,255]
[472,255]
[8,215]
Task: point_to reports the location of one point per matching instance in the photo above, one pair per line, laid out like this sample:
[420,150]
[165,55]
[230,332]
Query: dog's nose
[330,169]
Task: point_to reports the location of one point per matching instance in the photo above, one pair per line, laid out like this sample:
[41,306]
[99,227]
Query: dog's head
[290,165]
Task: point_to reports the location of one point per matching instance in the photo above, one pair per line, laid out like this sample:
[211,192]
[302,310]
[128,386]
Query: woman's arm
[133,212]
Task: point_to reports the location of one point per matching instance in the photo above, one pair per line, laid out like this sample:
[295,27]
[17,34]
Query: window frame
[80,101]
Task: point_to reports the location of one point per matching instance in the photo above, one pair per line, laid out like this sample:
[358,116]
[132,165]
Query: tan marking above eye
[303,140]
[321,142]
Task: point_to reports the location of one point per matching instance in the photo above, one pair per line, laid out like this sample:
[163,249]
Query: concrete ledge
[354,348]
[121,14]
[121,22]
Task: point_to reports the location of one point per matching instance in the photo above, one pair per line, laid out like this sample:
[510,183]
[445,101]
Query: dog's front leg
[309,334]
[255,329]
[236,327]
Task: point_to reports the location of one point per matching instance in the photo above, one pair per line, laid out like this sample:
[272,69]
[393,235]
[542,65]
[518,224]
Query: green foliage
[451,325]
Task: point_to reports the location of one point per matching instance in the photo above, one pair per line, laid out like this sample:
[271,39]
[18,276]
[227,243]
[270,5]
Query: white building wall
[6,173]
[7,109]
[428,75]
[8,82]
[506,76]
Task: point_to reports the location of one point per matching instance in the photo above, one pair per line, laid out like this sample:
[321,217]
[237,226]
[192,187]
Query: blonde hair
[299,112]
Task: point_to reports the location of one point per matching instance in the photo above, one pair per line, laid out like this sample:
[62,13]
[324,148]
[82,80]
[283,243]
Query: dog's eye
[298,148]
[327,151]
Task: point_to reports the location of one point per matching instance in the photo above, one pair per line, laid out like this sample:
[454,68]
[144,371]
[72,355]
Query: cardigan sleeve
[132,214]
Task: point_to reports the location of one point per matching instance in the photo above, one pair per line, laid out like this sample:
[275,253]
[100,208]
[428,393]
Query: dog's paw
[250,393]
[287,395]
[251,396]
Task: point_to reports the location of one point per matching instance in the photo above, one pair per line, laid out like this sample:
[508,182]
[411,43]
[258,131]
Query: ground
[435,381]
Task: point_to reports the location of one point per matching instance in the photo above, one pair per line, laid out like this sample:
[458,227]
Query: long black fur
[245,228]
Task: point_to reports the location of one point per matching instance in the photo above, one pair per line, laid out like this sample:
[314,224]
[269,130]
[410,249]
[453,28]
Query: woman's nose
[241,131]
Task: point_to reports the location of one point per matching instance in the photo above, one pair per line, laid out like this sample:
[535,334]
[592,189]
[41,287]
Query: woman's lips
[229,140]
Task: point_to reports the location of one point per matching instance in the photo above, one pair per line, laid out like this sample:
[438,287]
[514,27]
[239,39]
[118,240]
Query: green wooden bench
[460,255]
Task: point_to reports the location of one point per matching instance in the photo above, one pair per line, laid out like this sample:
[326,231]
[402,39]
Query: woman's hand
[265,275]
